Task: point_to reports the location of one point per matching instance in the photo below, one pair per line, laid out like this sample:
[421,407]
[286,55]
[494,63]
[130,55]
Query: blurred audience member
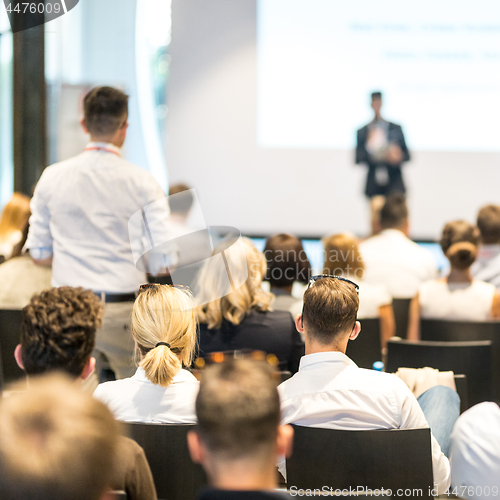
[89,221]
[342,258]
[13,223]
[20,277]
[391,258]
[56,442]
[235,313]
[330,391]
[58,334]
[239,436]
[458,296]
[189,234]
[287,263]
[164,329]
[475,453]
[487,265]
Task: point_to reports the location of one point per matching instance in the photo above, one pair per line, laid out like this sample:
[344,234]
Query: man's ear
[299,323]
[284,440]
[88,369]
[84,127]
[18,355]
[196,447]
[355,331]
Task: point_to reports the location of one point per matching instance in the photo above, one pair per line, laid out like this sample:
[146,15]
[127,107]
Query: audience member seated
[458,296]
[342,258]
[242,317]
[13,222]
[58,334]
[330,391]
[487,265]
[475,453]
[239,435]
[287,263]
[193,242]
[20,277]
[391,258]
[161,391]
[56,442]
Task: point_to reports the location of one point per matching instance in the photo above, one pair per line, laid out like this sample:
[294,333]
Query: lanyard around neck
[102,148]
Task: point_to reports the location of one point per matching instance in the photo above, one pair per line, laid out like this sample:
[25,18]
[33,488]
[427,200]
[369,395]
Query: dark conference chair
[472,359]
[401,309]
[390,459]
[10,332]
[176,477]
[366,348]
[467,331]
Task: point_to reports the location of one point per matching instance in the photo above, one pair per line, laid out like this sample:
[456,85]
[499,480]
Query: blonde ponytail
[164,326]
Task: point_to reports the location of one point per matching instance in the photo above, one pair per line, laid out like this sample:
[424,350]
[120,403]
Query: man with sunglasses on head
[330,391]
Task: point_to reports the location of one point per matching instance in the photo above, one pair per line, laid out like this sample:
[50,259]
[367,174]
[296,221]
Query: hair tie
[162,343]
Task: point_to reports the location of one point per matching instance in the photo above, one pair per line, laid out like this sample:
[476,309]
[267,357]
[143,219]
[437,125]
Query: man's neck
[242,476]
[315,347]
[107,140]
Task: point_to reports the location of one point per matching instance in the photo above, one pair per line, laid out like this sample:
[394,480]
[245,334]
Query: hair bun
[462,254]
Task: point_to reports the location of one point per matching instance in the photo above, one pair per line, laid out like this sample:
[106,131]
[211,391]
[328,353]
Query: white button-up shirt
[80,214]
[397,263]
[475,452]
[136,399]
[331,392]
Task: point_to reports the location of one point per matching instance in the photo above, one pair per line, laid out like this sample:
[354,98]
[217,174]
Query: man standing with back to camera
[80,223]
[381,146]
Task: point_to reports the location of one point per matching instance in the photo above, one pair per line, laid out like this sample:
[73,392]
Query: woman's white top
[371,298]
[136,399]
[456,301]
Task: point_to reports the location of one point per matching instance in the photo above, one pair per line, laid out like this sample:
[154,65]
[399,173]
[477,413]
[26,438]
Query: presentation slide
[436,62]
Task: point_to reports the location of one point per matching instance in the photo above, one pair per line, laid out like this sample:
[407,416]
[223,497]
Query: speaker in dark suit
[381,146]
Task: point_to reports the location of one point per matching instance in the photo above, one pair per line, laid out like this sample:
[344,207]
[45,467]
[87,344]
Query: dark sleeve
[298,350]
[137,480]
[402,144]
[362,155]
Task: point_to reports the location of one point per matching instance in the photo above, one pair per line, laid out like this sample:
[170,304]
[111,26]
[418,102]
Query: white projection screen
[265,97]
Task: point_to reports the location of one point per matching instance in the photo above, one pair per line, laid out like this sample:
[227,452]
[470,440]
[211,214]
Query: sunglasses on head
[318,277]
[148,286]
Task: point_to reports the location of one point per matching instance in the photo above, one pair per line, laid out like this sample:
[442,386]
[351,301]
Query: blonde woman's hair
[230,287]
[14,218]
[163,313]
[342,256]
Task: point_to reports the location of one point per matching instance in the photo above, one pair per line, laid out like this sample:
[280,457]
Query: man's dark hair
[105,110]
[488,222]
[238,408]
[330,309]
[394,213]
[58,330]
[180,204]
[376,95]
[286,261]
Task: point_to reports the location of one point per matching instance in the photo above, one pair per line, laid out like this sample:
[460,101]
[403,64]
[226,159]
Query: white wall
[212,145]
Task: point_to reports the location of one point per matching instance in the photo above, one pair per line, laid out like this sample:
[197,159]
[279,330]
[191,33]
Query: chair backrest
[462,391]
[176,477]
[466,331]
[366,348]
[339,459]
[401,309]
[10,332]
[473,359]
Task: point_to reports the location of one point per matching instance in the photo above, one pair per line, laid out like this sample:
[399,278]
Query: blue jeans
[441,407]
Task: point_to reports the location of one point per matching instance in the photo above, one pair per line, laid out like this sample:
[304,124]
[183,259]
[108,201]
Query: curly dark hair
[58,330]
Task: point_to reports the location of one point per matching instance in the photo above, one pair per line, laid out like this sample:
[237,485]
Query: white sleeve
[412,417]
[157,230]
[39,236]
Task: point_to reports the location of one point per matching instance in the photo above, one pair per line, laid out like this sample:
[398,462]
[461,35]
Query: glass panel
[6,112]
